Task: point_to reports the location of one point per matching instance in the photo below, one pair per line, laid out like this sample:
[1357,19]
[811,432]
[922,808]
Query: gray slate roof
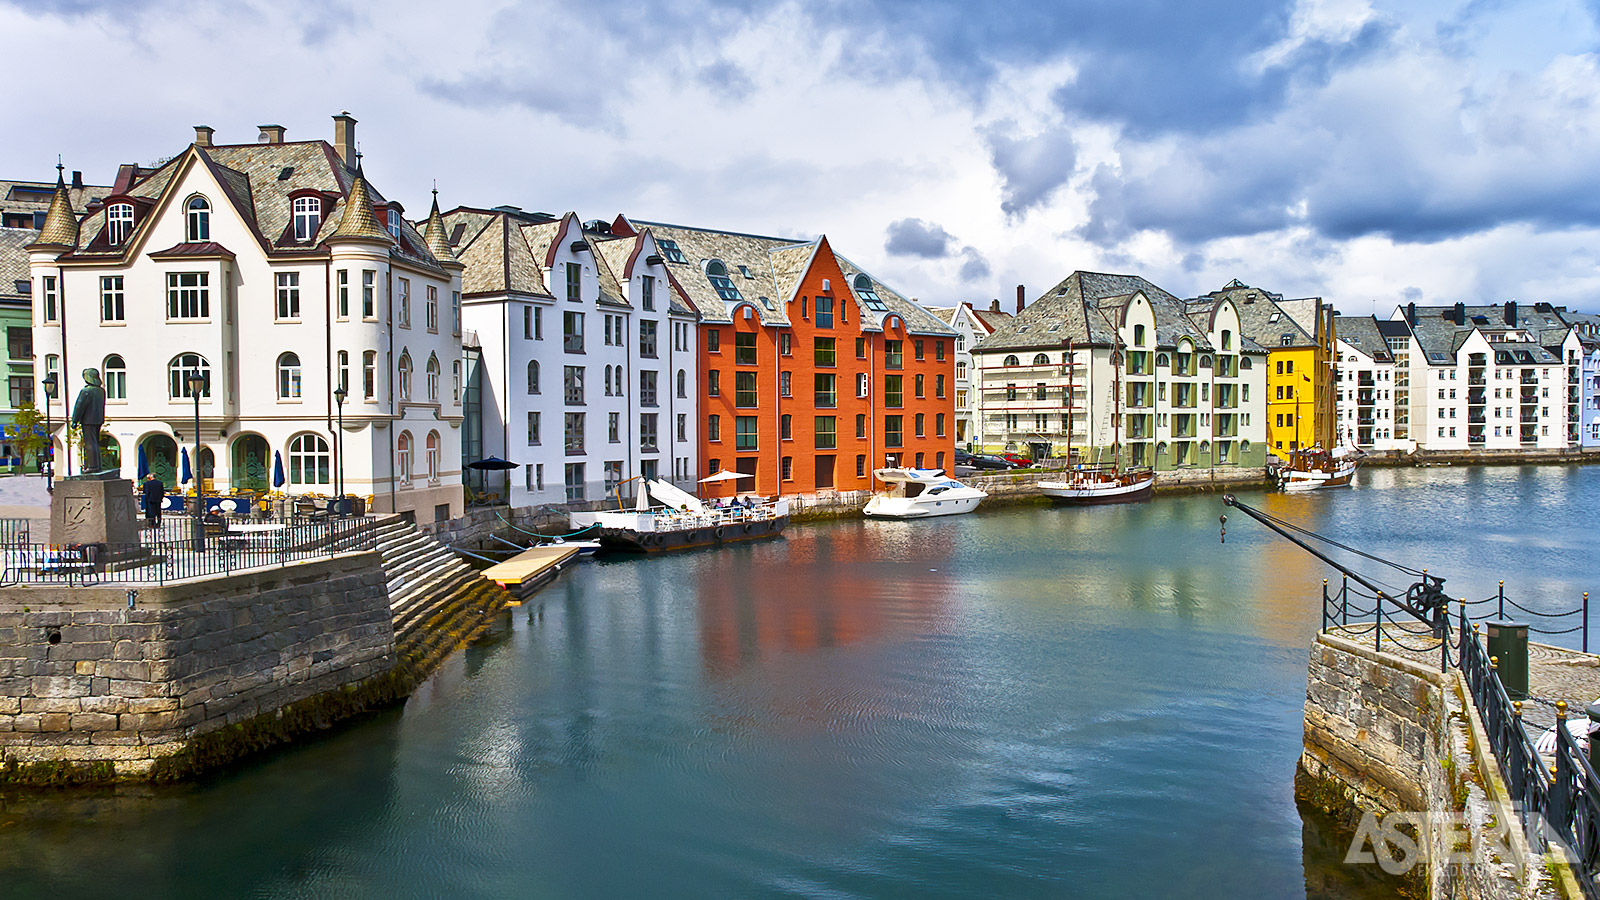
[1084,307]
[1266,318]
[1440,336]
[1364,334]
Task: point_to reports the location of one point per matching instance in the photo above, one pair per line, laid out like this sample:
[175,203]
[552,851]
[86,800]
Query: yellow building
[1299,338]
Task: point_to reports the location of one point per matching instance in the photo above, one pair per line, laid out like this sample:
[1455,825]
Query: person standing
[153,492]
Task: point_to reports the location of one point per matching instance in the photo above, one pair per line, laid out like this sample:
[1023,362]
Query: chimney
[1411,314]
[994,305]
[77,180]
[1511,312]
[202,135]
[344,138]
[271,134]
[1019,298]
[1461,313]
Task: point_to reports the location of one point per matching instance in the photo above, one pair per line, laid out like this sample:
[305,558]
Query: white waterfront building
[274,272]
[1371,398]
[972,325]
[586,371]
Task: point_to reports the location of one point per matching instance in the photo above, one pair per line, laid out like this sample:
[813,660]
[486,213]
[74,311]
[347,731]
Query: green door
[250,464]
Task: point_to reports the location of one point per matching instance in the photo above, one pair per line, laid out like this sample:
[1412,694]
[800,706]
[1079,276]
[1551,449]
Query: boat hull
[1299,480]
[1088,494]
[627,540]
[910,508]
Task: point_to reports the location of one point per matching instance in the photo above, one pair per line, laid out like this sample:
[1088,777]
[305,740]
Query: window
[48,300]
[745,389]
[647,339]
[648,442]
[922,419]
[199,220]
[188,295]
[938,426]
[1138,335]
[683,383]
[938,385]
[824,312]
[538,323]
[863,385]
[714,340]
[432,449]
[179,370]
[744,433]
[111,299]
[574,432]
[344,293]
[826,438]
[647,293]
[369,287]
[288,376]
[861,348]
[786,469]
[713,383]
[572,384]
[288,295]
[744,348]
[431,307]
[893,431]
[823,351]
[918,382]
[344,370]
[868,296]
[433,379]
[826,394]
[403,457]
[574,281]
[455,381]
[119,223]
[1040,392]
[917,350]
[115,375]
[404,289]
[533,376]
[717,274]
[784,385]
[786,427]
[861,426]
[861,465]
[575,490]
[938,352]
[309,459]
[307,217]
[670,250]
[455,311]
[893,355]
[369,374]
[405,375]
[22,389]
[572,332]
[647,388]
[714,428]
[893,390]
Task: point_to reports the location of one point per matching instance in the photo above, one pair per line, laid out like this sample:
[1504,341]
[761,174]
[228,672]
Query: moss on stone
[55,773]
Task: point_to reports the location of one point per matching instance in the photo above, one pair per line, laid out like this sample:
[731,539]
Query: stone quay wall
[1389,737]
[472,530]
[193,675]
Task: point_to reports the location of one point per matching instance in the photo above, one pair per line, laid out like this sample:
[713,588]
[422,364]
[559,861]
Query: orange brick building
[812,372]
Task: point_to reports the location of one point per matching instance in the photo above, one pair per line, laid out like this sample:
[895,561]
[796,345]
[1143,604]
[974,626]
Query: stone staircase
[439,602]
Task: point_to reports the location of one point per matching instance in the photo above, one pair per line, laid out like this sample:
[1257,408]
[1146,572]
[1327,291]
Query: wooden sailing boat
[1101,483]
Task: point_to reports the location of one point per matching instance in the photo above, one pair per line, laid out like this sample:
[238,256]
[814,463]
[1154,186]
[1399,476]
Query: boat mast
[1066,362]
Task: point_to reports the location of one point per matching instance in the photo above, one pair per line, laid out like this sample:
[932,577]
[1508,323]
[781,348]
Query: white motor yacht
[920,493]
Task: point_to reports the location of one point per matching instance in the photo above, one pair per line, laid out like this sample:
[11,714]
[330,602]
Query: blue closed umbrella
[144,463]
[183,457]
[277,469]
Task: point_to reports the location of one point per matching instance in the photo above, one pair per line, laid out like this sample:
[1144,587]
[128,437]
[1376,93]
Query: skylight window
[745,271]
[1274,317]
[670,250]
[717,273]
[768,304]
[868,295]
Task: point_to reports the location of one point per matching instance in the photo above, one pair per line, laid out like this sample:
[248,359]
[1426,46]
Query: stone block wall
[87,683]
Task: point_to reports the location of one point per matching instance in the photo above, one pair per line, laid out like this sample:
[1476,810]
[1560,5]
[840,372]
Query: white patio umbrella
[726,475]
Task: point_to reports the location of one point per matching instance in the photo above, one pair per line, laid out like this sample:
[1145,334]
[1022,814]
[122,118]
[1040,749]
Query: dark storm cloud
[914,237]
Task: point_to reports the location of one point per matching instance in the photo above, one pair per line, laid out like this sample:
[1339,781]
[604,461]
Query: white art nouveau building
[274,272]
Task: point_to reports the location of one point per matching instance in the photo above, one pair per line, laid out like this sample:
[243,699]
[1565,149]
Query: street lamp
[49,383]
[339,394]
[197,383]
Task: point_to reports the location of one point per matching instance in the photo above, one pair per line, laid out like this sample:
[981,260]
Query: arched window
[433,455]
[683,384]
[369,374]
[119,222]
[403,451]
[868,295]
[618,389]
[114,375]
[1040,359]
[1161,359]
[405,375]
[1138,335]
[717,273]
[608,381]
[179,370]
[1244,363]
[288,376]
[199,221]
[307,217]
[309,459]
[533,376]
[1013,361]
[433,378]
[1244,446]
[1227,339]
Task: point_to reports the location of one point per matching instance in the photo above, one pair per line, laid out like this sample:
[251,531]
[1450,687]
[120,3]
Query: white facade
[970,329]
[1369,396]
[587,384]
[272,331]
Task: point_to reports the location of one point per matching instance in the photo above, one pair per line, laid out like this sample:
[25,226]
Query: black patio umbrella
[493,464]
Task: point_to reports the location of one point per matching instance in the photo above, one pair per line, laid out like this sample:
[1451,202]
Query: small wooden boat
[1100,484]
[680,521]
[1314,468]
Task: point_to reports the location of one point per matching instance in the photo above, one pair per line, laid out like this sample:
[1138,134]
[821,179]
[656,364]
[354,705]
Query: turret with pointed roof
[358,223]
[60,225]
[438,243]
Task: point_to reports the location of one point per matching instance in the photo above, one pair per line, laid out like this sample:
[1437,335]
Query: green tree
[28,425]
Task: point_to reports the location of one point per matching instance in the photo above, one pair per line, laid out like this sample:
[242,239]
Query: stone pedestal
[93,510]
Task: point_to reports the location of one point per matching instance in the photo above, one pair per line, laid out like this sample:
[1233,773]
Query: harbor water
[1019,703]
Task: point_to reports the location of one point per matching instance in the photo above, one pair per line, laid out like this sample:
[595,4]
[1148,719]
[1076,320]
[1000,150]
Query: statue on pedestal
[89,414]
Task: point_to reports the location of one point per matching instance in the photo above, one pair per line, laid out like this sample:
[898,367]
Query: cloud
[973,265]
[1032,167]
[914,237]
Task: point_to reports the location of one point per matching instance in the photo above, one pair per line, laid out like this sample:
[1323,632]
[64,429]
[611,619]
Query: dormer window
[670,250]
[199,220]
[119,223]
[868,295]
[718,275]
[392,216]
[307,217]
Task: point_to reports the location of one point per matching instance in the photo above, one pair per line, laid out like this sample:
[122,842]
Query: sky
[1371,153]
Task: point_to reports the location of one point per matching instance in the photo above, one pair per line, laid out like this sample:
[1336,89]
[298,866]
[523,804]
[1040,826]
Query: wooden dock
[529,567]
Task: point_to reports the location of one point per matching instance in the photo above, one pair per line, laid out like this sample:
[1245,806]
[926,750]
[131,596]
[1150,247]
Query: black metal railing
[219,552]
[14,530]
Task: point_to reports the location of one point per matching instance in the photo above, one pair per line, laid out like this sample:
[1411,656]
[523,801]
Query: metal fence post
[1500,609]
[1377,628]
[1326,622]
[1586,621]
[1344,600]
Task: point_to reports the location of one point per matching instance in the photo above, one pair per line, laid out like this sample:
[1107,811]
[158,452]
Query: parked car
[1017,459]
